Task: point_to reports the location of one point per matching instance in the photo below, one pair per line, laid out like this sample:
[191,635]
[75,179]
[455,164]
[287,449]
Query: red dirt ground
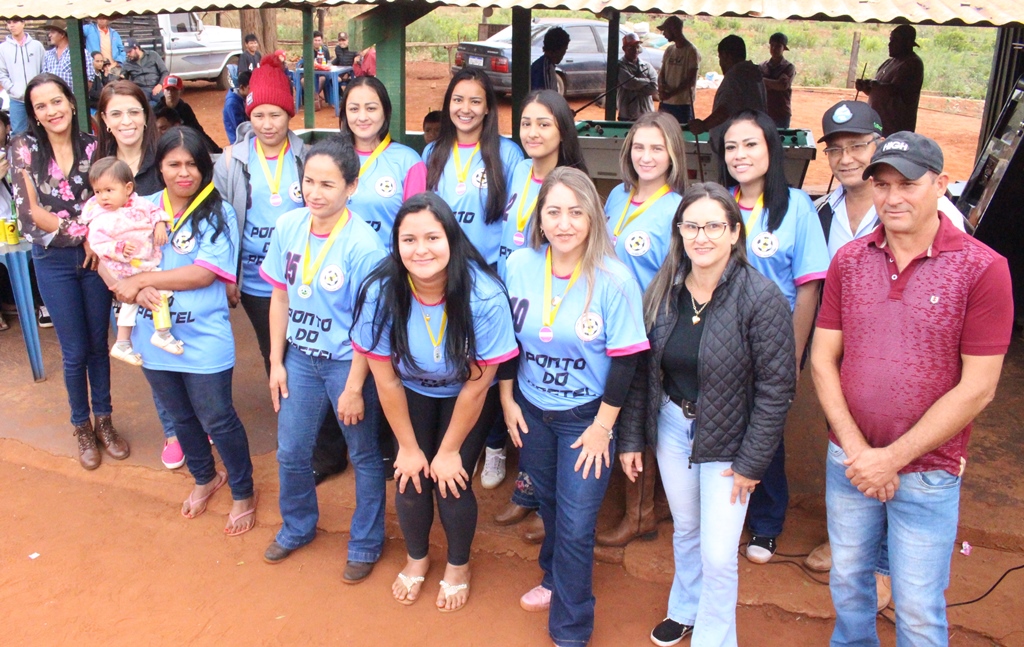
[427,81]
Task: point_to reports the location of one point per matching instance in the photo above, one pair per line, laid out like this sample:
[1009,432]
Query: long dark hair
[374,84]
[569,153]
[107,144]
[677,264]
[211,210]
[41,161]
[776,191]
[394,300]
[490,145]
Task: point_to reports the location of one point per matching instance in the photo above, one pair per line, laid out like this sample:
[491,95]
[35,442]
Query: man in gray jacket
[637,81]
[21,58]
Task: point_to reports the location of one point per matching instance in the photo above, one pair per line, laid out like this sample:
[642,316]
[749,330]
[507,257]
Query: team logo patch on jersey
[765,245]
[331,278]
[183,242]
[386,187]
[638,243]
[589,326]
[480,179]
[295,192]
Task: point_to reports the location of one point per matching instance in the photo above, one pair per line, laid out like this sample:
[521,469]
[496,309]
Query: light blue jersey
[572,367]
[793,254]
[492,328]
[397,174]
[199,318]
[511,236]
[262,215]
[470,206]
[319,323]
[643,243]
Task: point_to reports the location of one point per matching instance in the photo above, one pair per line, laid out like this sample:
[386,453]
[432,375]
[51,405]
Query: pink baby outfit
[110,230]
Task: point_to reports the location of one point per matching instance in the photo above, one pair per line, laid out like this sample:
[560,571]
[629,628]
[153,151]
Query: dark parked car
[581,72]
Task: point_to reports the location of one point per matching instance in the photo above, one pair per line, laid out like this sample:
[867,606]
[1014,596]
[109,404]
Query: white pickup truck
[190,48]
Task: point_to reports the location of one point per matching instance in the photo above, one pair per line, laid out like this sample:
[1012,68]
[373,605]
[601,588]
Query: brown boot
[512,514]
[609,555]
[639,520]
[107,436]
[88,452]
[533,532]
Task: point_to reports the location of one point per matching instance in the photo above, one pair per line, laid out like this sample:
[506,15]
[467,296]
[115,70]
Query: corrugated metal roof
[962,12]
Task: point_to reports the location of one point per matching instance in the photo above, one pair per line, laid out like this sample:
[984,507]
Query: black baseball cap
[911,154]
[130,44]
[779,37]
[854,117]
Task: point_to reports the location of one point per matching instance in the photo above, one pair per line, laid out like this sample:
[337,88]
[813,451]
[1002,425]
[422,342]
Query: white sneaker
[43,317]
[494,468]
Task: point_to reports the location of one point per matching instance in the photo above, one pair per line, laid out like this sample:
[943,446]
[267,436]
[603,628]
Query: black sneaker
[761,549]
[43,317]
[669,632]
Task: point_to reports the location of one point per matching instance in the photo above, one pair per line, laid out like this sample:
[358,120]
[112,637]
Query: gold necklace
[696,310]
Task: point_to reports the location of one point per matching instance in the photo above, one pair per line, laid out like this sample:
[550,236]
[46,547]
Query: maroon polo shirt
[904,332]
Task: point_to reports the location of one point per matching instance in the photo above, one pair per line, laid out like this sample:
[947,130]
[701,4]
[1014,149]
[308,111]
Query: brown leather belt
[689,408]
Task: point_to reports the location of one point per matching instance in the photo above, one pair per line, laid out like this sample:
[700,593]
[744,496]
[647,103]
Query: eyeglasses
[713,230]
[853,149]
[117,115]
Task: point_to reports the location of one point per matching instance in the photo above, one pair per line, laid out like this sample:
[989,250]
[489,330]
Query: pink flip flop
[192,503]
[232,519]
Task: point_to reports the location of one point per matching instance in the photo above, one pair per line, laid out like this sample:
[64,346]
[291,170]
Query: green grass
[957,60]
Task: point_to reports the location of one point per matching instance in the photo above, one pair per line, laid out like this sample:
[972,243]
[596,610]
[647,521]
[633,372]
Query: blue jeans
[707,530]
[682,113]
[199,405]
[79,304]
[921,520]
[568,505]
[770,499]
[314,385]
[19,119]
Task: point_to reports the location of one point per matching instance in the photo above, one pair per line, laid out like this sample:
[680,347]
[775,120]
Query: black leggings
[331,452]
[430,418]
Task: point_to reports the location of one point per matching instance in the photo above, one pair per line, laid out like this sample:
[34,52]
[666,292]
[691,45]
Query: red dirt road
[957,134]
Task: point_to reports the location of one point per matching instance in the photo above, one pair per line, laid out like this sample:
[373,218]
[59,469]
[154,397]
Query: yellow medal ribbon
[520,218]
[550,306]
[436,341]
[273,182]
[639,210]
[755,213]
[308,274]
[375,154]
[176,223]
[462,172]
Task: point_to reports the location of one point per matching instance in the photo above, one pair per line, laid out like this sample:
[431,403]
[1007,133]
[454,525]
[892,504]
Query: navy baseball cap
[854,117]
[911,154]
[130,44]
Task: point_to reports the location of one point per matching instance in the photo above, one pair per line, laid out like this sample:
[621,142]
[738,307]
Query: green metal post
[521,33]
[384,26]
[308,73]
[612,82]
[78,77]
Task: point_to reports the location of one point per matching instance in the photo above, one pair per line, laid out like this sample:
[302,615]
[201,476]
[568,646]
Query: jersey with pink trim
[319,322]
[470,206]
[199,317]
[262,215]
[572,367]
[385,186]
[510,242]
[642,244]
[793,254]
[434,376]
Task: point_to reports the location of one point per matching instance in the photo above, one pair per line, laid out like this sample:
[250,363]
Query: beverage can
[162,314]
[11,232]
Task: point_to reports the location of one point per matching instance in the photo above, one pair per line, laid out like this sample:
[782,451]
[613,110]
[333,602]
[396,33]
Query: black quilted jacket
[747,375]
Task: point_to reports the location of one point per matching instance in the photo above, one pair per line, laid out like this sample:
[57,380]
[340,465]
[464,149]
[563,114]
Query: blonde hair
[673,134]
[598,245]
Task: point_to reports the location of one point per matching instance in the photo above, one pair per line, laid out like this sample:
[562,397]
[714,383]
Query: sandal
[192,503]
[449,591]
[126,355]
[409,582]
[168,343]
[234,519]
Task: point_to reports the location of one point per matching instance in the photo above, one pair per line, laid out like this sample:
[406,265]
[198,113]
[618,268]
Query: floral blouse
[62,196]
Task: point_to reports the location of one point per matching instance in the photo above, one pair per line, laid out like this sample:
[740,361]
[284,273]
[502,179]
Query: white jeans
[706,537]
